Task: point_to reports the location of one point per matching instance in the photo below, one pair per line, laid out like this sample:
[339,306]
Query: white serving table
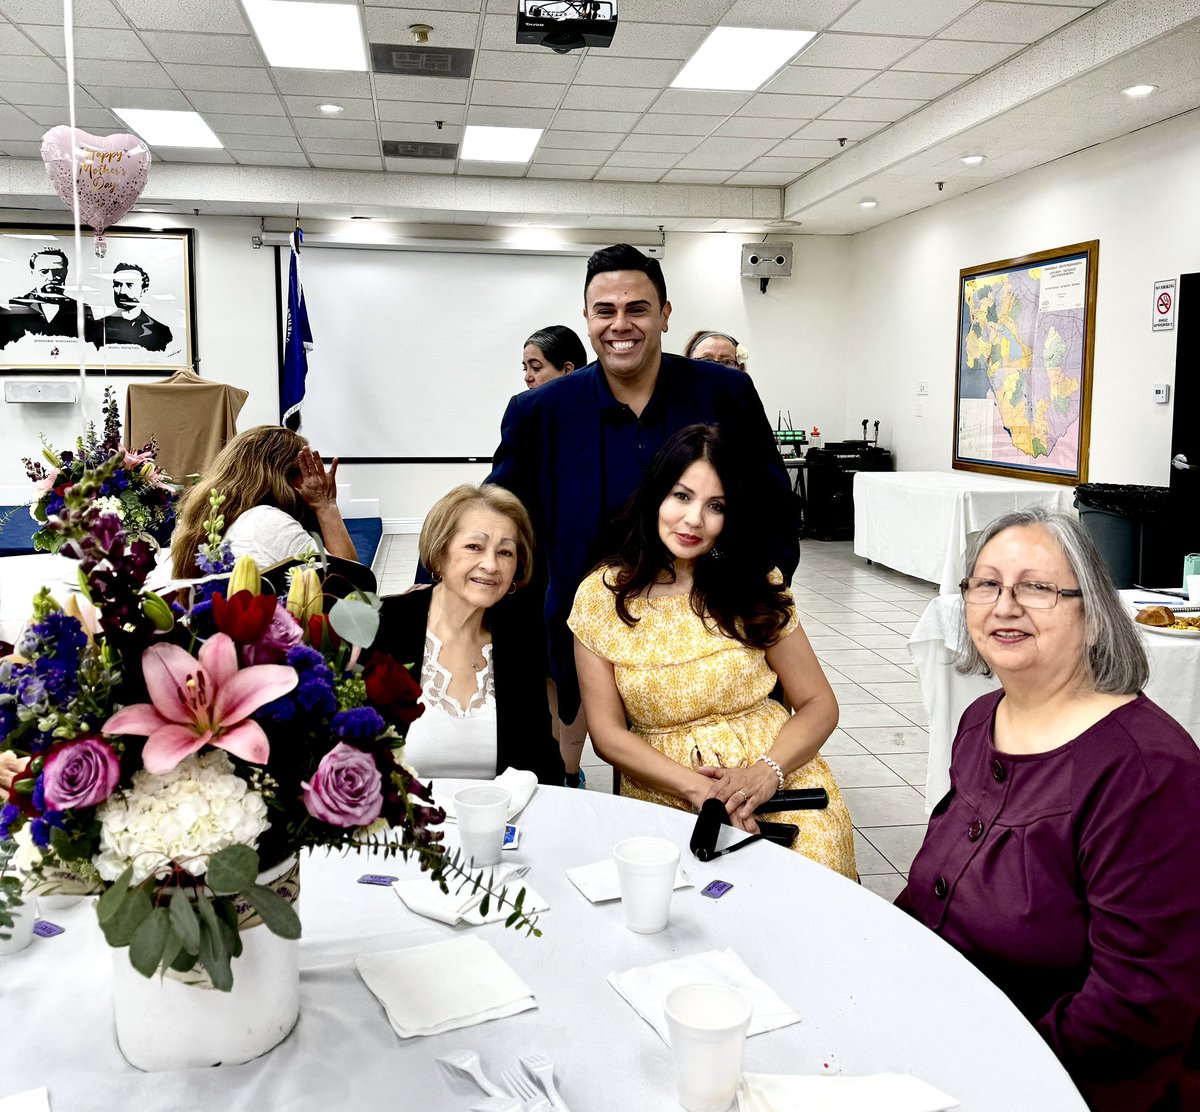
[1174,681]
[920,522]
[20,578]
[876,991]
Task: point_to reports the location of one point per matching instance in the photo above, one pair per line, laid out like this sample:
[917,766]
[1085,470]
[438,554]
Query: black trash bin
[1132,528]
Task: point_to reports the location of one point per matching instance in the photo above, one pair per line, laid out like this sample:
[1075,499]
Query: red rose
[391,688]
[321,635]
[244,617]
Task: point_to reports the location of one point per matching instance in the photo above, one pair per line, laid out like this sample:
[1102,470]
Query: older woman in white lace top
[478,660]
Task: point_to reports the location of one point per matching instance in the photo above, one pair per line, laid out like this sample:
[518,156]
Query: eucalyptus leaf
[486,905]
[228,916]
[279,916]
[172,946]
[354,621]
[214,954]
[146,946]
[183,919]
[110,902]
[186,960]
[231,869]
[120,926]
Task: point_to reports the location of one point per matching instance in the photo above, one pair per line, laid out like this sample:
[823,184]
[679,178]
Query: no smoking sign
[1164,305]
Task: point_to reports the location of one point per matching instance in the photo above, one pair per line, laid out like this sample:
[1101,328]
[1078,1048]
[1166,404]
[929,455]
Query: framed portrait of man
[138,302]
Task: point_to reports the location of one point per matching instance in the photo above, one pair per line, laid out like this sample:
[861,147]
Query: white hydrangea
[111,505]
[181,816]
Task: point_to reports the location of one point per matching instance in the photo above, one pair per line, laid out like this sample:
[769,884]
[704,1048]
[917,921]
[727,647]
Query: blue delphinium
[357,724]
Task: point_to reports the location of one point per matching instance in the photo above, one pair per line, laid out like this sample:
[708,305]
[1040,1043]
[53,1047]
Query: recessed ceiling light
[160,127]
[739,58]
[330,109]
[972,159]
[298,34]
[1139,90]
[867,203]
[499,144]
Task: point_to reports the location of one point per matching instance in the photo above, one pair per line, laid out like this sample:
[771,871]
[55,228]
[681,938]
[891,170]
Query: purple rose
[282,634]
[80,773]
[346,789]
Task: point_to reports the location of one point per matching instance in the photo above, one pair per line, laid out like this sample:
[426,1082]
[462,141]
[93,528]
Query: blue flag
[297,341]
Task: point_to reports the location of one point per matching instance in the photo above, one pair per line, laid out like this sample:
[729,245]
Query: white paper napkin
[34,1100]
[520,783]
[599,881]
[645,989]
[421,895]
[895,1092]
[426,990]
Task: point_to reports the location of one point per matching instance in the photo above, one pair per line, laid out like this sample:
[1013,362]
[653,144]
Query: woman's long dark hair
[730,583]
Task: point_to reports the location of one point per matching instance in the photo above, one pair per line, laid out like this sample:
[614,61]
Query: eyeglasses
[1032,595]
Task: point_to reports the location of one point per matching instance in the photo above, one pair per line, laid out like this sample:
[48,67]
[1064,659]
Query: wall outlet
[1162,393]
[922,388]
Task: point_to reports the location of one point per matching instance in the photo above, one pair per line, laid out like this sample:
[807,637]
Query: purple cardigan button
[975,831]
[998,772]
[940,888]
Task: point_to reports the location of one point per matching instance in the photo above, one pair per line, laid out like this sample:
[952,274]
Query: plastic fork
[543,1070]
[466,1062]
[524,1090]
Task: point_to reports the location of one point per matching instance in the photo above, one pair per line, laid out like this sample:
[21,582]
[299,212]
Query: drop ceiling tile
[16,126]
[221,50]
[12,42]
[329,84]
[342,146]
[818,80]
[503,65]
[578,120]
[919,86]
[950,56]
[759,127]
[248,125]
[420,165]
[212,15]
[838,129]
[238,104]
[52,94]
[193,154]
[452,29]
[694,102]
[793,166]
[696,177]
[856,51]
[21,148]
[660,160]
[561,172]
[914,17]
[798,15]
[610,99]
[551,156]
[445,90]
[807,148]
[221,79]
[99,42]
[582,140]
[86,118]
[725,154]
[492,169]
[670,123]
[331,127]
[37,68]
[420,111]
[517,94]
[274,143]
[788,106]
[139,75]
[423,133]
[872,108]
[346,161]
[654,40]
[500,33]
[269,158]
[992,22]
[490,115]
[448,5]
[706,13]
[628,173]
[645,73]
[87,13]
[762,177]
[678,144]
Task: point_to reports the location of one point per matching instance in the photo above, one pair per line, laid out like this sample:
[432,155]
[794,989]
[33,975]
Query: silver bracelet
[774,768]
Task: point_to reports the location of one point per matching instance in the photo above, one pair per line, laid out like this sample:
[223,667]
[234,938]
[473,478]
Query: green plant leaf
[146,946]
[214,955]
[185,960]
[483,907]
[172,946]
[279,916]
[354,621]
[120,926]
[109,903]
[183,919]
[228,917]
[231,869]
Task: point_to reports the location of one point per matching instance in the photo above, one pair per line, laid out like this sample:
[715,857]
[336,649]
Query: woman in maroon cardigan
[1063,860]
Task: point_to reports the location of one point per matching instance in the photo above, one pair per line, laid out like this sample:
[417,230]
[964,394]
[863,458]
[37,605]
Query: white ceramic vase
[21,933]
[165,1024]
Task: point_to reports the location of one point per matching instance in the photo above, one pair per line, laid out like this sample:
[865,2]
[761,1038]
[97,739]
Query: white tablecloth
[875,990]
[1174,682]
[919,522]
[20,578]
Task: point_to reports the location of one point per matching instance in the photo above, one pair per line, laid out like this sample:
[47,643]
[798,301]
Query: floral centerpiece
[136,492]
[163,754]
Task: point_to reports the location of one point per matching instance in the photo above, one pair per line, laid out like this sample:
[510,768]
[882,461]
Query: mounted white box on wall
[40,390]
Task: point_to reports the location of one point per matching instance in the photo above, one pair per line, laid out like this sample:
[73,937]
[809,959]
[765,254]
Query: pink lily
[198,702]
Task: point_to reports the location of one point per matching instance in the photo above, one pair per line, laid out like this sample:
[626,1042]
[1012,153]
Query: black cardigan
[523,737]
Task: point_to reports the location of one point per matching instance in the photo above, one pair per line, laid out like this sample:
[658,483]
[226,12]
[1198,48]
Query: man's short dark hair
[49,251]
[134,266]
[621,256]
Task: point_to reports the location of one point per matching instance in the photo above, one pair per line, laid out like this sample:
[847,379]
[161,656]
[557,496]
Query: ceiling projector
[565,25]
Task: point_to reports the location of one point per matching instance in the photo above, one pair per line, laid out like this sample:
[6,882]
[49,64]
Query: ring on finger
[743,794]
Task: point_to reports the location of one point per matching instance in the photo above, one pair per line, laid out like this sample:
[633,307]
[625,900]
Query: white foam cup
[1193,588]
[482,813]
[707,1024]
[646,872]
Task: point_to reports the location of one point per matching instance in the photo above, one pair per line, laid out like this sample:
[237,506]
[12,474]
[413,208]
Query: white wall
[1136,195]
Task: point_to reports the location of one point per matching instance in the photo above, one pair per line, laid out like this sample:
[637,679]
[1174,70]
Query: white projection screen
[416,353]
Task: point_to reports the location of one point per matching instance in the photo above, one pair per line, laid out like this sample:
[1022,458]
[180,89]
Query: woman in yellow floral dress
[679,641]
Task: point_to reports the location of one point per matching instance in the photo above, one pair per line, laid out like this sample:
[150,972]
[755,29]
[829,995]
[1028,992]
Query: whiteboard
[416,353]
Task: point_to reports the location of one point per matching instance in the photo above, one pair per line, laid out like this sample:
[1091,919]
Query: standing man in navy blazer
[575,450]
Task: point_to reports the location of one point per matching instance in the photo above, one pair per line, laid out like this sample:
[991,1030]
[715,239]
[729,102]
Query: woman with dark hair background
[550,353]
[680,639]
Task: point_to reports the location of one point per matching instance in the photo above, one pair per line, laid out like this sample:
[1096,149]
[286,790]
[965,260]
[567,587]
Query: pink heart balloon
[111,172]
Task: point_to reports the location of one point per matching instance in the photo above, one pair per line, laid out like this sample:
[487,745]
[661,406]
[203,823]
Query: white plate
[1169,632]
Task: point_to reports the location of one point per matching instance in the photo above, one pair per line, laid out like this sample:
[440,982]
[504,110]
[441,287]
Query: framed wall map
[1023,390]
[139,310]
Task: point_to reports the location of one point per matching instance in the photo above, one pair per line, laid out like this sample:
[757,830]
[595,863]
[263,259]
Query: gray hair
[1116,661]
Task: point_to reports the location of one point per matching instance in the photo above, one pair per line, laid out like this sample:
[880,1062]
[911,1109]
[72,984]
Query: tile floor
[858,617]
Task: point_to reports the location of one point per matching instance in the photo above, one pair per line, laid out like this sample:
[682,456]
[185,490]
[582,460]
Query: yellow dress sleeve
[593,613]
[793,622]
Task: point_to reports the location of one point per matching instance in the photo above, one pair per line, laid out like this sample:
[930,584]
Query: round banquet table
[875,990]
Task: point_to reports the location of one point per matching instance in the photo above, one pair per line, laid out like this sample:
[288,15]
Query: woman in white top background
[276,490]
[480,663]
